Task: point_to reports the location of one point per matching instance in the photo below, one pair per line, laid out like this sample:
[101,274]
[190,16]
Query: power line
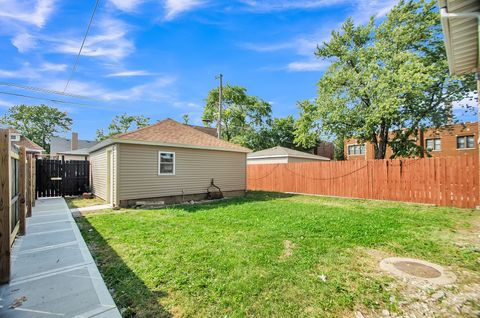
[74,68]
[50,100]
[43,90]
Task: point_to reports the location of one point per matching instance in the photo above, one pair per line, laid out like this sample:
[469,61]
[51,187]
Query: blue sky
[159,58]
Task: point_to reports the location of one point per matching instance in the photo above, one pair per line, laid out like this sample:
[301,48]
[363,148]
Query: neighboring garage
[282,155]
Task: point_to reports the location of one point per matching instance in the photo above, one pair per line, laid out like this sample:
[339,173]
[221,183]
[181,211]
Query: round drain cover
[415,269]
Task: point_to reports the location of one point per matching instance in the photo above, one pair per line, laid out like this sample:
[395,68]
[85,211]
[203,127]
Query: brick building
[451,140]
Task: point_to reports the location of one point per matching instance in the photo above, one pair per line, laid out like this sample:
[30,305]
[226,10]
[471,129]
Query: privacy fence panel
[62,178]
[449,181]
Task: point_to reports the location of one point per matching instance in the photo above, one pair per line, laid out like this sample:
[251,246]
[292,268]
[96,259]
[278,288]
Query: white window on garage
[166,163]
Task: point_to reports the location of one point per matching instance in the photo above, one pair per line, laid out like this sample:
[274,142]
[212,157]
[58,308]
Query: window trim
[174,163]
[466,142]
[358,154]
[433,139]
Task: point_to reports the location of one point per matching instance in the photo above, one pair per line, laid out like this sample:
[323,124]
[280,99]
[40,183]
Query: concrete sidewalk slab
[53,272]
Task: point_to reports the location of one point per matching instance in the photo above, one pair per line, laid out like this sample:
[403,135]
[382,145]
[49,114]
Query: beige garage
[281,155]
[167,161]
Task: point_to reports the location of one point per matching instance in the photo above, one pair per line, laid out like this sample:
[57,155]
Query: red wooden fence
[449,181]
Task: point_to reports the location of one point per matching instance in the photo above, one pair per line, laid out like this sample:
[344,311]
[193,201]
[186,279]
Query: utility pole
[219,123]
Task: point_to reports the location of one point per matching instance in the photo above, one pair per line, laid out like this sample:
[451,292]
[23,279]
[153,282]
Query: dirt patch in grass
[80,202]
[288,247]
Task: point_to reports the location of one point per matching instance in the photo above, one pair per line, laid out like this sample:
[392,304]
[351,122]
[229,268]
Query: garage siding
[258,161]
[138,171]
[98,164]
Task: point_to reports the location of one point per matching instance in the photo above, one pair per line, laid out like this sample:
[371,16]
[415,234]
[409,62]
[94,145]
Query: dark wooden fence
[450,181]
[62,178]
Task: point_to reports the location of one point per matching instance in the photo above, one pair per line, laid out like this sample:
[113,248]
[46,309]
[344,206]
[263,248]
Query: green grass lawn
[267,255]
[80,202]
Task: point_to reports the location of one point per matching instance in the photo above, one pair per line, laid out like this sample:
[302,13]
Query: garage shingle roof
[169,131]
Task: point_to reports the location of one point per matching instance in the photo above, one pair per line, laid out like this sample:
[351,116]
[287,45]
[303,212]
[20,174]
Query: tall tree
[121,124]
[38,123]
[242,116]
[388,79]
[306,130]
[278,132]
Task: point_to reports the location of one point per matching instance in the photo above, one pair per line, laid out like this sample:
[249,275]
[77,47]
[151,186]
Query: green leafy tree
[38,123]
[387,80]
[306,129]
[278,132]
[121,124]
[338,144]
[186,118]
[242,116]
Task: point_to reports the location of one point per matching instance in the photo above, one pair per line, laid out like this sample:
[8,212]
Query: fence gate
[61,178]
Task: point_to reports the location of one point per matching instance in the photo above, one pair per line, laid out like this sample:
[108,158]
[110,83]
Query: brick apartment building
[452,140]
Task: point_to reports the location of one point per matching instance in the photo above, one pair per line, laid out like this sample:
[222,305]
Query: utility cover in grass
[417,270]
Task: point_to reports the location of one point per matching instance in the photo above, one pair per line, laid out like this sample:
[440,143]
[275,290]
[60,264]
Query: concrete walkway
[53,272]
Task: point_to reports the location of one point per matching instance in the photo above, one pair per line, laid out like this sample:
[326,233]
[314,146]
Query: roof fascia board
[444,17]
[291,156]
[111,141]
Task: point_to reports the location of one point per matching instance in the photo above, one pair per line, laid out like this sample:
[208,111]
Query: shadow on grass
[130,293]
[250,197]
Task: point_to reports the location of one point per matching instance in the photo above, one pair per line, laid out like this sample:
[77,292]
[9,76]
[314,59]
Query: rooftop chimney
[74,142]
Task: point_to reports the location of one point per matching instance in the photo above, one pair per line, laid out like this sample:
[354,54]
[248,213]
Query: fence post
[29,185]
[5,231]
[34,180]
[22,189]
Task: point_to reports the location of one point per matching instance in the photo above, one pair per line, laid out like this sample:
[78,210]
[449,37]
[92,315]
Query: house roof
[60,144]
[207,130]
[77,152]
[168,132]
[460,28]
[279,152]
[29,145]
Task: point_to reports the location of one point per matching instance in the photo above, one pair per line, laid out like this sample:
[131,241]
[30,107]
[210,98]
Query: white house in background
[281,155]
[70,149]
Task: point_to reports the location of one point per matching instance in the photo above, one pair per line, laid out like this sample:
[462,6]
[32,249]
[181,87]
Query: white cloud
[304,45]
[126,5]
[130,73]
[108,41]
[152,91]
[189,105]
[278,5]
[377,8]
[471,101]
[175,7]
[35,12]
[361,9]
[27,71]
[24,42]
[308,66]
[52,67]
[257,47]
[5,104]
[159,89]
